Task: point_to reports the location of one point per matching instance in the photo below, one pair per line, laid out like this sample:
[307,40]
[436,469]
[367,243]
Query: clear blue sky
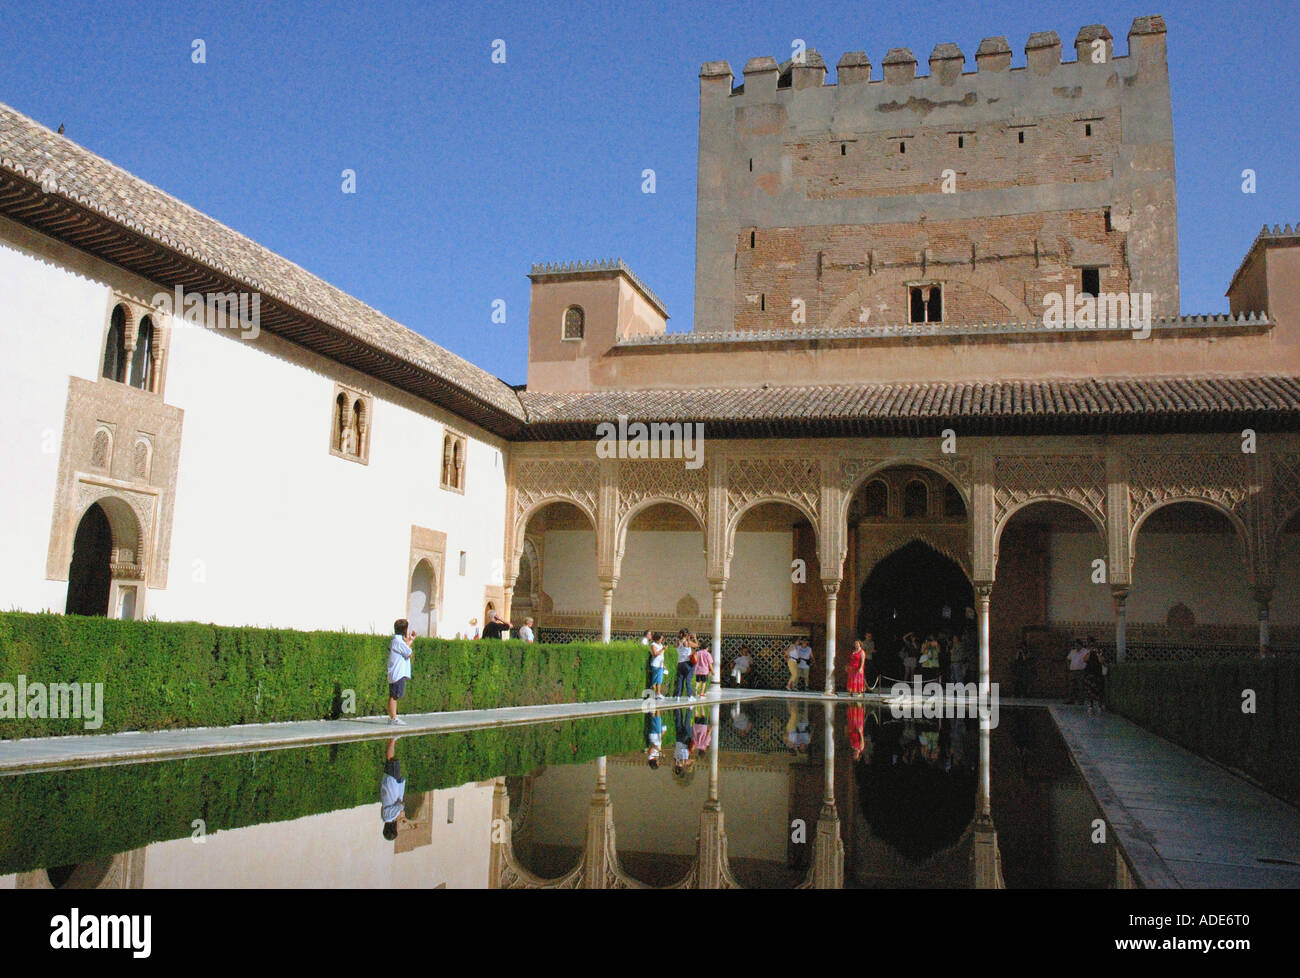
[469,171]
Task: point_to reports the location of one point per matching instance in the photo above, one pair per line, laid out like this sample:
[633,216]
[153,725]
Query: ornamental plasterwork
[576,481]
[1286,488]
[142,506]
[1018,479]
[878,541]
[662,479]
[1225,478]
[795,479]
[853,469]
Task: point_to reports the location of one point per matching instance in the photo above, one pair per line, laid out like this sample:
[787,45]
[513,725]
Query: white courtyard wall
[270,528]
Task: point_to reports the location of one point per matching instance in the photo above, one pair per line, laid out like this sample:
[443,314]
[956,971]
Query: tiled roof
[989,407]
[68,172]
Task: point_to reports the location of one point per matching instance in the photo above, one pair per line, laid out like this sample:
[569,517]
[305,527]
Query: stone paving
[1183,821]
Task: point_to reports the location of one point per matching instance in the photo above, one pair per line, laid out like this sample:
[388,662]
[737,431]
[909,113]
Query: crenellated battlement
[1093,49]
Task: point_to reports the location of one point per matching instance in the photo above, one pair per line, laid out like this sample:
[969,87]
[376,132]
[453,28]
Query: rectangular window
[463,562]
[1020,136]
[1108,226]
[1090,281]
[925,303]
[961,142]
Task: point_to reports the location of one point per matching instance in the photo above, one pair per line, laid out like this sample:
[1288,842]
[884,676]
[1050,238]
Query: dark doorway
[908,591]
[90,576]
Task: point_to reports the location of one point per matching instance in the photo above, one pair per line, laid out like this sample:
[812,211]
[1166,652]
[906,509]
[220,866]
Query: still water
[764,794]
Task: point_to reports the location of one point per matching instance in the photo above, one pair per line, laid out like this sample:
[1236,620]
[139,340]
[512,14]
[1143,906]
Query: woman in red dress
[857,664]
[856,719]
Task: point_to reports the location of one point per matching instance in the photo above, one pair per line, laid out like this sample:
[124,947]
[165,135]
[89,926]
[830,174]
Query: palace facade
[900,432]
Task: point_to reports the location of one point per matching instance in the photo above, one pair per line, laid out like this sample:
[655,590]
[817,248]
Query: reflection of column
[828,847]
[832,593]
[1121,622]
[986,857]
[982,593]
[712,872]
[606,609]
[600,864]
[500,834]
[715,680]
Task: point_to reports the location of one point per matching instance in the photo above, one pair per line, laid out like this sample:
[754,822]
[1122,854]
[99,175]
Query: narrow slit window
[751,239]
[1020,136]
[902,147]
[1107,216]
[844,149]
[1087,128]
[751,164]
[961,142]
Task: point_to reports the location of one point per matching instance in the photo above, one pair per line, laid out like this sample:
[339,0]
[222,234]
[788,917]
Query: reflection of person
[703,669]
[685,671]
[701,732]
[682,759]
[1022,669]
[399,666]
[855,722]
[654,739]
[740,721]
[392,792]
[798,730]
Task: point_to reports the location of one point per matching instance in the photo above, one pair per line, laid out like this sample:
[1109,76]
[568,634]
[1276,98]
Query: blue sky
[469,171]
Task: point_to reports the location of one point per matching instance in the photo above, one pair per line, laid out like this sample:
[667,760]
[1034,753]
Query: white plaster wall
[335,849]
[51,324]
[661,566]
[270,528]
[1204,571]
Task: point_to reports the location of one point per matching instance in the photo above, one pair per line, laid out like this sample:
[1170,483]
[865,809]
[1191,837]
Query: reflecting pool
[775,793]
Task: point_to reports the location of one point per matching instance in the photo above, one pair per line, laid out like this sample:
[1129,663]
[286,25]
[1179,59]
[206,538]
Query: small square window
[1090,281]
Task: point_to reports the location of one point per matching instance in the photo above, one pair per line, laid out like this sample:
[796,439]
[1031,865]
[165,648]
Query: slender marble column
[715,679]
[832,594]
[1121,623]
[982,594]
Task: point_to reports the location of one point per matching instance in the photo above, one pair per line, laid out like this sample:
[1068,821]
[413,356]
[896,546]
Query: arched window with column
[114,364]
[141,375]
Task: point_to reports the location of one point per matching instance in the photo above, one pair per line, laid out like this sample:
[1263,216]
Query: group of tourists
[498,627]
[941,656]
[694,665]
[1087,669]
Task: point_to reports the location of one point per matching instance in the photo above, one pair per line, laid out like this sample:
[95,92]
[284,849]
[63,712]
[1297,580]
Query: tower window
[1107,216]
[575,323]
[751,239]
[902,147]
[1087,128]
[762,302]
[453,462]
[925,304]
[1020,136]
[751,164]
[844,149]
[961,142]
[1090,281]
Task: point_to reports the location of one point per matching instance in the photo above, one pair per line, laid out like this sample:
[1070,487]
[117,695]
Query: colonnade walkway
[1183,821]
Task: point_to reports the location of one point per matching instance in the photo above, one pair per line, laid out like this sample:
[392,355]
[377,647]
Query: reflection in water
[758,794]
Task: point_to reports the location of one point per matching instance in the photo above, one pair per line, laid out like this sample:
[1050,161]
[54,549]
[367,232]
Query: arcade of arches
[1152,546]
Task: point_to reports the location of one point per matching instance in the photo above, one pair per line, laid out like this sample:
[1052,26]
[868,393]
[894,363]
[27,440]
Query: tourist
[496,626]
[657,665]
[1078,662]
[909,654]
[929,658]
[648,637]
[685,667]
[472,633]
[1094,676]
[703,670]
[957,660]
[654,737]
[526,633]
[392,792]
[857,681]
[740,721]
[741,665]
[1022,672]
[399,667]
[800,659]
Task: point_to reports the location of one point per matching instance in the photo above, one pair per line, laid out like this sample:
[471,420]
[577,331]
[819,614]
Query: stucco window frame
[362,455]
[564,338]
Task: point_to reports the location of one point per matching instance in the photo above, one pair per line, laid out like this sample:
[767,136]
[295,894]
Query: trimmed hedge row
[107,810]
[1199,706]
[160,675]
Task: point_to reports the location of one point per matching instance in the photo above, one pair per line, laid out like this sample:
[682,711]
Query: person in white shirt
[1078,658]
[740,665]
[648,637]
[399,666]
[526,633]
[657,665]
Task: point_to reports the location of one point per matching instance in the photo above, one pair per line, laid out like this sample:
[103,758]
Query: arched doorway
[915,589]
[421,606]
[90,576]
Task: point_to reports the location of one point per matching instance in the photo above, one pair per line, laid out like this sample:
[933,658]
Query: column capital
[831,586]
[1119,592]
[717,584]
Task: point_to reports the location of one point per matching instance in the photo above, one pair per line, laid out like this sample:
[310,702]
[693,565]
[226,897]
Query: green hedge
[160,675]
[1199,705]
[64,817]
